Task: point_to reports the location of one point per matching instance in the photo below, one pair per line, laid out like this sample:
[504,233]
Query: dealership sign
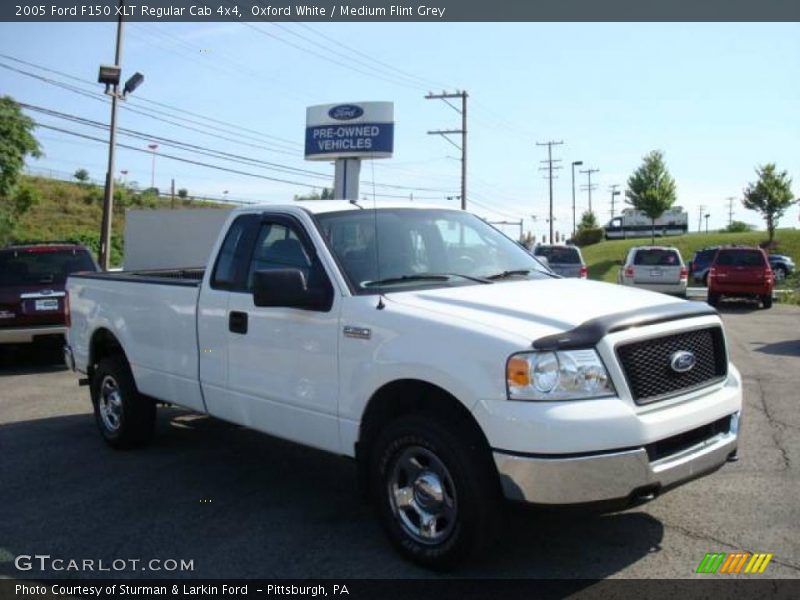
[350,130]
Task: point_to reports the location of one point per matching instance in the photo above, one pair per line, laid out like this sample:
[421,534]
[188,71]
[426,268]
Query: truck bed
[154,316]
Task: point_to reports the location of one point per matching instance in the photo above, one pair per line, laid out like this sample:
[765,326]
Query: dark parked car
[740,272]
[33,304]
[563,260]
[782,266]
[700,264]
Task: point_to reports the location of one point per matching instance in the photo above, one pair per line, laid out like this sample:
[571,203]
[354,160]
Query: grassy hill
[70,211]
[603,259]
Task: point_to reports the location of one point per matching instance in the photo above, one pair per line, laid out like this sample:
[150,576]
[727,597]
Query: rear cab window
[740,258]
[42,265]
[559,255]
[657,257]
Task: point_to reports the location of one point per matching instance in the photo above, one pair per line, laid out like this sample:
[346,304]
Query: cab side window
[278,247]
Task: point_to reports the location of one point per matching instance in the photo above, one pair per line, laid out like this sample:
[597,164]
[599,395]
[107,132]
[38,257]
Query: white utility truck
[445,359]
[634,223]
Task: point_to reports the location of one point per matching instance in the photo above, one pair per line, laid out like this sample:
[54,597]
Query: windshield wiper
[423,277]
[507,274]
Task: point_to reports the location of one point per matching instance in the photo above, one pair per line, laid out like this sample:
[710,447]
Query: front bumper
[615,475]
[26,335]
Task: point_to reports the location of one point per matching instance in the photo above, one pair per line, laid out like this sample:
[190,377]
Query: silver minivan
[655,268]
[563,260]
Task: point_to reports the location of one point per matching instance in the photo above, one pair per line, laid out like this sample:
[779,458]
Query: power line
[210,165]
[550,168]
[138,98]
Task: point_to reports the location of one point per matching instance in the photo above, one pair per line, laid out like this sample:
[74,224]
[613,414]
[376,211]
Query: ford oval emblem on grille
[345,112]
[682,361]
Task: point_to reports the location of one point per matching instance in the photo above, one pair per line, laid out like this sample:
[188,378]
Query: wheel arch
[103,344]
[403,397]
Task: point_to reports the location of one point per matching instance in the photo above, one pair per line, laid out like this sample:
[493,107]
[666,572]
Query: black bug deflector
[589,333]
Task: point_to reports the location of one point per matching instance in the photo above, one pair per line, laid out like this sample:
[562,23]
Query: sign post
[347,133]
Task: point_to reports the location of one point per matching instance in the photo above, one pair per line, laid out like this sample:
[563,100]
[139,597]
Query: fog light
[735,423]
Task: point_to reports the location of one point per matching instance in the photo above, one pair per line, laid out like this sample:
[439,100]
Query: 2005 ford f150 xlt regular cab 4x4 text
[422,342]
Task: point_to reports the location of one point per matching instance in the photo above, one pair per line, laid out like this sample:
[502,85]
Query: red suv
[740,272]
[33,304]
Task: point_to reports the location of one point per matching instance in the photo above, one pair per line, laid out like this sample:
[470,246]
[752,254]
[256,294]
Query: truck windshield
[41,265]
[423,248]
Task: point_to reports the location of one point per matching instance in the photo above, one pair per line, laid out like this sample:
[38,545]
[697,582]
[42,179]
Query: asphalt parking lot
[241,504]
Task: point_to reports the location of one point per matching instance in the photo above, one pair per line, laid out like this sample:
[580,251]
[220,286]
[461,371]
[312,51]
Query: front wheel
[124,417]
[766,301]
[434,489]
[780,274]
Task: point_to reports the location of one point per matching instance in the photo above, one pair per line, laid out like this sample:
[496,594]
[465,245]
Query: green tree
[588,221]
[326,194]
[183,193]
[651,189]
[16,142]
[82,175]
[771,195]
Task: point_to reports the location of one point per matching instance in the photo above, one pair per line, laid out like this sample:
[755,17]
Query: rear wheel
[780,273]
[766,301]
[124,417]
[434,489]
[713,299]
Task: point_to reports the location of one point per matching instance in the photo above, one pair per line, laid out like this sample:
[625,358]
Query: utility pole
[614,192]
[700,208]
[575,163]
[706,217]
[549,168]
[108,196]
[730,200]
[172,195]
[589,186]
[445,96]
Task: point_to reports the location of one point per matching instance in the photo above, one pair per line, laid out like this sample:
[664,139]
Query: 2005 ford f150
[439,354]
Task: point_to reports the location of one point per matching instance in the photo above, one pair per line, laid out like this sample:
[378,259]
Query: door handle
[237,322]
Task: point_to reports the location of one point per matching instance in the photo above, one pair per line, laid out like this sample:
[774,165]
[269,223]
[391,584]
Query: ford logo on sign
[682,361]
[345,112]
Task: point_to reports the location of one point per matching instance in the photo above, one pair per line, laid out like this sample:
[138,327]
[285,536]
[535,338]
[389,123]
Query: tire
[713,299]
[766,301]
[705,279]
[125,418]
[424,472]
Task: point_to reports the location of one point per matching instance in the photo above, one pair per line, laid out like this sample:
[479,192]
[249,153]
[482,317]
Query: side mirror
[286,288]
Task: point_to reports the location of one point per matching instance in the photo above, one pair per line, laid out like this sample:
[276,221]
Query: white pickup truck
[445,359]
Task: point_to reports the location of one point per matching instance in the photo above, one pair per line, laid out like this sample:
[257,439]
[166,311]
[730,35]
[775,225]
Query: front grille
[682,441]
[647,364]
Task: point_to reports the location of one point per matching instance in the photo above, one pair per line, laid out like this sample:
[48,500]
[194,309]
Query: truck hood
[532,309]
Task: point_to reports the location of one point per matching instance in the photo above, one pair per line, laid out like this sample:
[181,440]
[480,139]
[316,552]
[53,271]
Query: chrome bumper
[26,335]
[609,476]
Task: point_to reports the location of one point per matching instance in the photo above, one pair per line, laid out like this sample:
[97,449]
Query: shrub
[587,237]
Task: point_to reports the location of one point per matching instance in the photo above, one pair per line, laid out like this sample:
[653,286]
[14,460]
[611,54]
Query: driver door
[282,361]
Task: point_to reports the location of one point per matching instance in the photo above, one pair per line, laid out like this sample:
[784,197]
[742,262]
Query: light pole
[576,163]
[614,192]
[110,76]
[225,195]
[707,215]
[153,148]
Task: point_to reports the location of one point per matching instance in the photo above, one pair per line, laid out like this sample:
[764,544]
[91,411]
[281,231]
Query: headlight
[566,375]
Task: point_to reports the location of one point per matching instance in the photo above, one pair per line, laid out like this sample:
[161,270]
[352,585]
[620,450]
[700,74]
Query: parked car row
[727,271]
